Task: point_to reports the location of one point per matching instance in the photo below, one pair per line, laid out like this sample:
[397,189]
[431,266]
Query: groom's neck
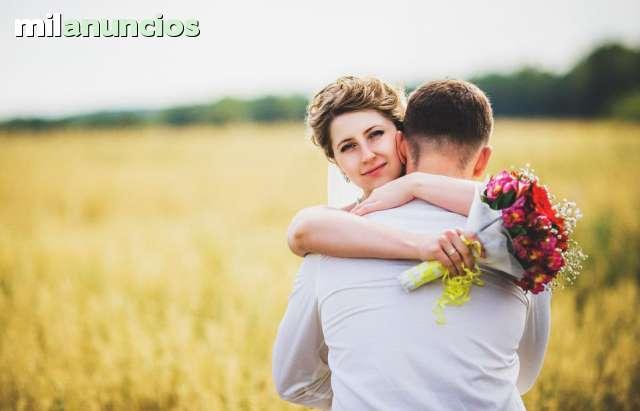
[434,163]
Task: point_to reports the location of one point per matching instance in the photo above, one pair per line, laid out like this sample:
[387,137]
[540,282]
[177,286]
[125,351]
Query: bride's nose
[367,154]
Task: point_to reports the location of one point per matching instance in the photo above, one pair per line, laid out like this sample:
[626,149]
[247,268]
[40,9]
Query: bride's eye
[376,133]
[346,147]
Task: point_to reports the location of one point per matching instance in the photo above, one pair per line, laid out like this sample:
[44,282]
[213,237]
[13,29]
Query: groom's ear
[482,161]
[401,147]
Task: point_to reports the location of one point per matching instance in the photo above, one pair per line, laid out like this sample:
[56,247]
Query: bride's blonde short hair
[348,94]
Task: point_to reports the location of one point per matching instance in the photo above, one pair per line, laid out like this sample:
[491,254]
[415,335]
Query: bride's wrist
[414,245]
[419,183]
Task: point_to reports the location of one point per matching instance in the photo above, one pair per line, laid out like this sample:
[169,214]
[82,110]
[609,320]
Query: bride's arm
[453,194]
[335,232]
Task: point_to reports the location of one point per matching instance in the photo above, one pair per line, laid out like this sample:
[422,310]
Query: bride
[358,124]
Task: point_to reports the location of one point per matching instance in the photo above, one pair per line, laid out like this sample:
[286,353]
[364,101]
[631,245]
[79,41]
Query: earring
[345,177]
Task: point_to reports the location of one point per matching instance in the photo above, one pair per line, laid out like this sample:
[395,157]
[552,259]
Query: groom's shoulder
[314,264]
[307,271]
[311,263]
[415,211]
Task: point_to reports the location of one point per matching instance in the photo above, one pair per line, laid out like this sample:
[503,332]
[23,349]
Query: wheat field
[147,269]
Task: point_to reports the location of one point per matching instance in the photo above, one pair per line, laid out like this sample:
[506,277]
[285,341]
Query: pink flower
[500,184]
[555,261]
[509,186]
[521,246]
[514,215]
[548,245]
[522,187]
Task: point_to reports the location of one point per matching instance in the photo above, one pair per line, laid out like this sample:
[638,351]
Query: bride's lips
[374,171]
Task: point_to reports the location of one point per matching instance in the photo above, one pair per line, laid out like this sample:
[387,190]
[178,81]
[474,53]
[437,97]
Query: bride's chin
[380,181]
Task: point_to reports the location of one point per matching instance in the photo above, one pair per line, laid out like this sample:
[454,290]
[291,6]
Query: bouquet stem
[456,288]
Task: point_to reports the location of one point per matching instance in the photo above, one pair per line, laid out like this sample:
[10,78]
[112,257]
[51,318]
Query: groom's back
[386,350]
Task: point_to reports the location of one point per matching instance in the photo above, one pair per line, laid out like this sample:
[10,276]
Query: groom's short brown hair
[452,113]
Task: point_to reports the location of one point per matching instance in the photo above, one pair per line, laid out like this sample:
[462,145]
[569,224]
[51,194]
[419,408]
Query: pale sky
[249,48]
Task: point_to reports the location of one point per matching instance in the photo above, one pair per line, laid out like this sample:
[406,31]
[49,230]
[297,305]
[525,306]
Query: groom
[351,339]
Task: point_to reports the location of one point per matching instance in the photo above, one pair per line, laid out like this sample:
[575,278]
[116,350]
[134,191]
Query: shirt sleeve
[533,344]
[300,370]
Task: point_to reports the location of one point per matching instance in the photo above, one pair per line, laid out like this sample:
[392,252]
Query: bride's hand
[449,249]
[392,194]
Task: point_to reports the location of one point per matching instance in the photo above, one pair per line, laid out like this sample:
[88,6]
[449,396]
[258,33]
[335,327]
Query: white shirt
[352,339]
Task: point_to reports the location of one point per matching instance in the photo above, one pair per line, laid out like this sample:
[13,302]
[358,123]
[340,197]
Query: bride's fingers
[461,248]
[471,236]
[358,207]
[442,257]
[366,208]
[451,254]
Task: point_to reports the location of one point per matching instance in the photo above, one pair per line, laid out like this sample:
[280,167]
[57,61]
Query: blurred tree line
[225,110]
[604,84]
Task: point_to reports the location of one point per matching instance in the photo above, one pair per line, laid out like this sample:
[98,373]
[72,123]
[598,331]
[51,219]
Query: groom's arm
[534,341]
[300,369]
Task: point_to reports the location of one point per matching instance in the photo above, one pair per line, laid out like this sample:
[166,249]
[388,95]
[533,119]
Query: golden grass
[148,269]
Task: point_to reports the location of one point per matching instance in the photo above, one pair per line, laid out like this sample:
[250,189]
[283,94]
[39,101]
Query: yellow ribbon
[456,288]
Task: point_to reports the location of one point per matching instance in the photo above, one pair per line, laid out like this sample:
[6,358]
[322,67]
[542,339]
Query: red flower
[535,255]
[539,281]
[535,279]
[526,283]
[543,205]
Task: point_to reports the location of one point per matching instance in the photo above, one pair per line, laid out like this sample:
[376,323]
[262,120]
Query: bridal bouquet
[526,235]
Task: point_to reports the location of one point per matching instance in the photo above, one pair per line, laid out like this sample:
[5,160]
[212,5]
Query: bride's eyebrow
[369,129]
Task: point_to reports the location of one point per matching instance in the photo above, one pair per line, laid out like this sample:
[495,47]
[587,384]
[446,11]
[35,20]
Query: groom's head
[446,129]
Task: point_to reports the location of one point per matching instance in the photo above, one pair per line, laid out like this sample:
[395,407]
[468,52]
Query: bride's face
[364,147]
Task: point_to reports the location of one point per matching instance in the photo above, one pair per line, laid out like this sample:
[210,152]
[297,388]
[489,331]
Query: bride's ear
[401,147]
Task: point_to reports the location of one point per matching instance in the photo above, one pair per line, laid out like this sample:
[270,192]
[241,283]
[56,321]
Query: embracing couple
[352,338]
